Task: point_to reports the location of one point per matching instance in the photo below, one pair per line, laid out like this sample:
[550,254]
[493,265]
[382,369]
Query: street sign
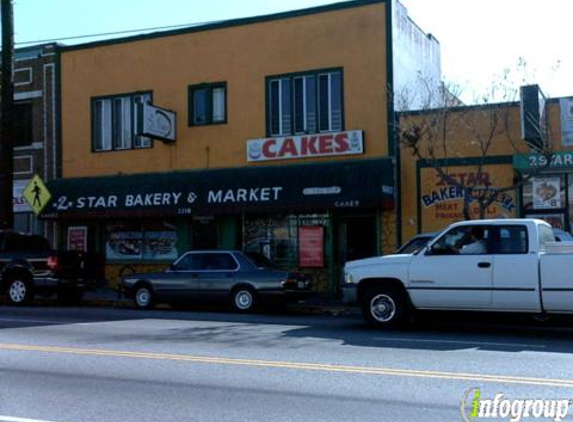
[37,194]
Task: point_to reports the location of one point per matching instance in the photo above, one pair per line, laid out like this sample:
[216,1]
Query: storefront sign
[566,106]
[531,161]
[546,193]
[158,123]
[442,204]
[311,246]
[317,145]
[77,238]
[254,189]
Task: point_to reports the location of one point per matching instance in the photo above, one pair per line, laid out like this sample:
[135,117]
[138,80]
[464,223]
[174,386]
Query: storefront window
[141,241]
[277,236]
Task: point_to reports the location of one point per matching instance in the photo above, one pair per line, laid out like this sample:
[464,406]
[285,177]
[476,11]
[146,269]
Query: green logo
[475,407]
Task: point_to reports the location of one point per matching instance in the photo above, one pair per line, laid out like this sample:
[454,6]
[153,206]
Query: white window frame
[278,107]
[106,135]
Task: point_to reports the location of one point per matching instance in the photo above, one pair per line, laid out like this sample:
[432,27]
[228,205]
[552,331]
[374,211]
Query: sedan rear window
[219,262]
[260,261]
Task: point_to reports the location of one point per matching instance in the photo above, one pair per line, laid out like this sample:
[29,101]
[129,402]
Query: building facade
[533,183]
[271,134]
[35,139]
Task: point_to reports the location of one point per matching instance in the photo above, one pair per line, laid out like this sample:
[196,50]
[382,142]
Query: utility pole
[6,118]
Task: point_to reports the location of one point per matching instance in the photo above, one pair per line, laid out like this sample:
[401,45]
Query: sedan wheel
[144,298]
[19,292]
[244,299]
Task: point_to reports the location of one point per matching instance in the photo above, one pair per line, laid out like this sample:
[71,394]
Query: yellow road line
[456,376]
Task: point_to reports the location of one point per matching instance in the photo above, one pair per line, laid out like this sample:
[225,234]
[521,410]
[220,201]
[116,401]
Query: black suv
[28,266]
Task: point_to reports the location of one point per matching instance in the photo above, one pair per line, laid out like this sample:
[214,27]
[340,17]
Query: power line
[103,34]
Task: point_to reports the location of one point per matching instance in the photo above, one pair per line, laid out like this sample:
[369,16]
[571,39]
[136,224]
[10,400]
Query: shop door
[356,239]
[204,234]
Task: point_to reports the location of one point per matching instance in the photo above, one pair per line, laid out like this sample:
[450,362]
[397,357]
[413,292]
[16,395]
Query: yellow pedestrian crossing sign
[37,194]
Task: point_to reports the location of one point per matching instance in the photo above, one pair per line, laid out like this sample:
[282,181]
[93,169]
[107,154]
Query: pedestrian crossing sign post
[37,194]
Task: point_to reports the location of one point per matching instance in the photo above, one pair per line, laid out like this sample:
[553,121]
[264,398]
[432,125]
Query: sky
[479,39]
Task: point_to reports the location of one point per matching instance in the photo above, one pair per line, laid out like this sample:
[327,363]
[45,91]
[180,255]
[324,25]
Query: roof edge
[227,24]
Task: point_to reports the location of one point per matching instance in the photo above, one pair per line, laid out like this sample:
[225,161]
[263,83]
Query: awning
[339,185]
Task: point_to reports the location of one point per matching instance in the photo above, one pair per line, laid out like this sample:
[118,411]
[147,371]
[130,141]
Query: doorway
[204,234]
[357,237]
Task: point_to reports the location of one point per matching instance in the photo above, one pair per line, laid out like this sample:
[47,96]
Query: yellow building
[270,134]
[483,147]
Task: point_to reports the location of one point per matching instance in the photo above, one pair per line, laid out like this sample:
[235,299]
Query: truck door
[452,273]
[515,270]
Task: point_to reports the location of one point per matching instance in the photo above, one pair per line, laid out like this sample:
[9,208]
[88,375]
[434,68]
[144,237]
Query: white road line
[466,342]
[13,419]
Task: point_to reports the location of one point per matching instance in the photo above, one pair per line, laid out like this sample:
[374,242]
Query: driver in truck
[476,244]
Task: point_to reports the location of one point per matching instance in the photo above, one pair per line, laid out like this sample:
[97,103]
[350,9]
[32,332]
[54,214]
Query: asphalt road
[95,364]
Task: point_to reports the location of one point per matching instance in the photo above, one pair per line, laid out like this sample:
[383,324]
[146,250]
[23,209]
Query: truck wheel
[244,299]
[19,291]
[143,297]
[384,307]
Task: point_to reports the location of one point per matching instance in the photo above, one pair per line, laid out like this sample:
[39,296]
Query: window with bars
[115,122]
[305,103]
[208,104]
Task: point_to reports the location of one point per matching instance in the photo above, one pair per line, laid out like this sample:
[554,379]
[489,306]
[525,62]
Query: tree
[444,130]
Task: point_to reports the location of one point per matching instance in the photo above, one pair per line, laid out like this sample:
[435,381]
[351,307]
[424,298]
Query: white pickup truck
[519,267]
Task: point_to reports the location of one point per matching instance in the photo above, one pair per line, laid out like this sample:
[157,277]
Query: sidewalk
[106,297]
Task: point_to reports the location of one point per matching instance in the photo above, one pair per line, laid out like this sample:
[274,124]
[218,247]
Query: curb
[303,308]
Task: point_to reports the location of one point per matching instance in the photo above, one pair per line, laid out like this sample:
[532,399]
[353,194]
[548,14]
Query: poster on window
[311,246]
[152,242]
[124,243]
[77,238]
[160,245]
[546,193]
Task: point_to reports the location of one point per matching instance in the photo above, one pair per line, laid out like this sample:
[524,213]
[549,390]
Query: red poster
[77,239]
[311,246]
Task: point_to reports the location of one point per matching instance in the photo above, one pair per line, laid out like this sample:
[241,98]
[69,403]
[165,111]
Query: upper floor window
[208,104]
[115,122]
[23,124]
[305,103]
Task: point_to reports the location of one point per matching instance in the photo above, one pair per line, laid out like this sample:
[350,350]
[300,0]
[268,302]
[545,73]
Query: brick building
[36,141]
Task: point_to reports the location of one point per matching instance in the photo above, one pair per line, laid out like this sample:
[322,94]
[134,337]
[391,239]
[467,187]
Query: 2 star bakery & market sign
[365,183]
[317,145]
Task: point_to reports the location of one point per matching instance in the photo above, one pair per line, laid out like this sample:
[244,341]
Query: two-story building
[272,134]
